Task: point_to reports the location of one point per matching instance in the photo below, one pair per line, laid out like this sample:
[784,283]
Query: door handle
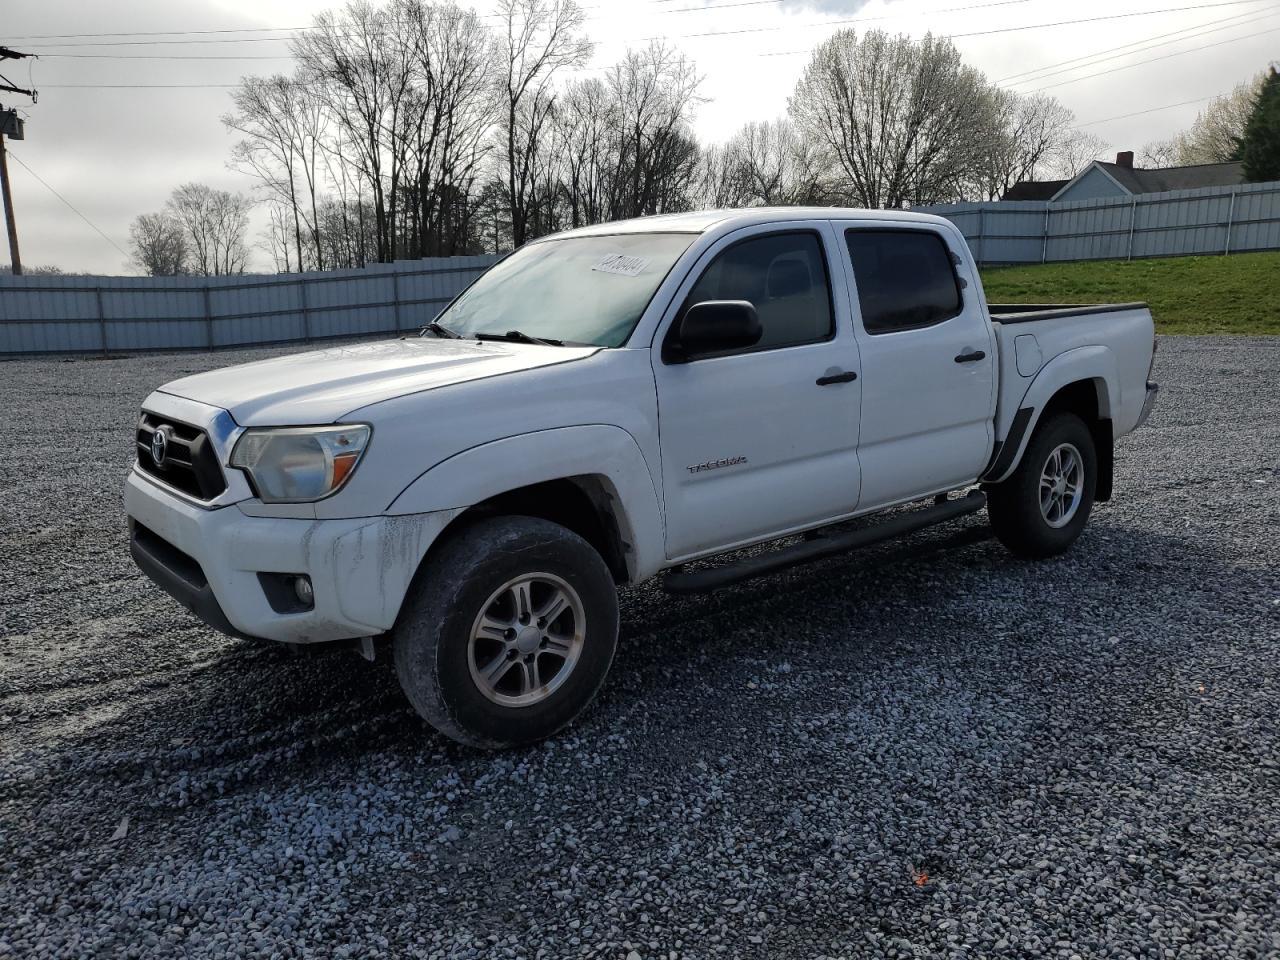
[830,378]
[971,356]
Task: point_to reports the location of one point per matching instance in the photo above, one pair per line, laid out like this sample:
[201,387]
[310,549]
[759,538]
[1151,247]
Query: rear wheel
[508,632]
[1043,506]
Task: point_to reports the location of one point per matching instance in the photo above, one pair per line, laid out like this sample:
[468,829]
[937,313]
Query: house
[1101,180]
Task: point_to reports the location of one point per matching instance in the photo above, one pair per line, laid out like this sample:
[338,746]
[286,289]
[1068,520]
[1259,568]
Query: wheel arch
[1081,381]
[583,504]
[591,479]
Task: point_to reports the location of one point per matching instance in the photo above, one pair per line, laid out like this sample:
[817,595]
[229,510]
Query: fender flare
[1096,364]
[499,466]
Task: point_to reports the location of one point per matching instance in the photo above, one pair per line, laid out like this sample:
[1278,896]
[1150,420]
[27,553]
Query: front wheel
[508,632]
[1043,506]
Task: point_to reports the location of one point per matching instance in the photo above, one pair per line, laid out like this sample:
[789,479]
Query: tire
[490,675]
[1016,508]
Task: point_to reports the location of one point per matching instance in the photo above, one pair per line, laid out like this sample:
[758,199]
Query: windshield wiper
[519,336]
[440,330]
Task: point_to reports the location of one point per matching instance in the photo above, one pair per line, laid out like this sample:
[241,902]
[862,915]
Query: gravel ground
[959,755]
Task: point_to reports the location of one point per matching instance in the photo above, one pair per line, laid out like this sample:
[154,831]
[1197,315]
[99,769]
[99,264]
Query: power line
[134,86]
[897,16]
[67,202]
[302,29]
[1167,56]
[1015,78]
[157,43]
[1033,26]
[167,56]
[1139,113]
[139,86]
[739,31]
[298,29]
[151,33]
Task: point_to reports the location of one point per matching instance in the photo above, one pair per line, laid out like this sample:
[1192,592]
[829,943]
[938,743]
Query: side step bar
[820,547]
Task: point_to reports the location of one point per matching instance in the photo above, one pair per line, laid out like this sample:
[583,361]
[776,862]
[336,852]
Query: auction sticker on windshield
[622,265]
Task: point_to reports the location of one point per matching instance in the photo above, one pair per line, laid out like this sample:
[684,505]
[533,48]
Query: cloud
[831,7]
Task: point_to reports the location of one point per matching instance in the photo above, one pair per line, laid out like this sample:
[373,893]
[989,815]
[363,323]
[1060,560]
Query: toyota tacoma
[610,404]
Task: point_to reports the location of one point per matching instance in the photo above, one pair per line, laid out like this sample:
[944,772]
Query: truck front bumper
[1153,390]
[212,562]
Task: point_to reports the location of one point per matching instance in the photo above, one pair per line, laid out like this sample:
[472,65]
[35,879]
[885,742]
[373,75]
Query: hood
[324,385]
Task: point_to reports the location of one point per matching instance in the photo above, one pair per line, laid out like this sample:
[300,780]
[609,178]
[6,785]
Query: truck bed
[1030,312]
[1032,335]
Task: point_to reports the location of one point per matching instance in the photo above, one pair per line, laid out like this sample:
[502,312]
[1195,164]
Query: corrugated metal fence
[55,314]
[1179,223]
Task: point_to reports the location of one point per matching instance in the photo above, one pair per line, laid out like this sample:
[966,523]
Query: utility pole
[11,126]
[14,257]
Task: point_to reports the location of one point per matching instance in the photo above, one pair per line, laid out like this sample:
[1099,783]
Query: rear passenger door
[928,361]
[762,440]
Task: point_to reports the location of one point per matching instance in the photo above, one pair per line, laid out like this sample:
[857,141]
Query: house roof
[1135,180]
[1034,189]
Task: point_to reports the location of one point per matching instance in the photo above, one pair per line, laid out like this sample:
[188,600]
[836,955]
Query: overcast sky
[114,153]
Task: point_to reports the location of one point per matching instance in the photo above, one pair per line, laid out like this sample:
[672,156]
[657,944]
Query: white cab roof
[700,221]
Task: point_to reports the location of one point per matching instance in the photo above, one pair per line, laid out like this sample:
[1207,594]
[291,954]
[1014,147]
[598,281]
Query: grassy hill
[1237,294]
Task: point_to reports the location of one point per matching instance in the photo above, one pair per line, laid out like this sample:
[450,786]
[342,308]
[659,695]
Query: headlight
[299,464]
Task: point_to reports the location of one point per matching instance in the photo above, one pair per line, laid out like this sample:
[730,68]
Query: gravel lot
[959,755]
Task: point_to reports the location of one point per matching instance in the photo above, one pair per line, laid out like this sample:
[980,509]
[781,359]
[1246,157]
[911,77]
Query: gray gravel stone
[956,755]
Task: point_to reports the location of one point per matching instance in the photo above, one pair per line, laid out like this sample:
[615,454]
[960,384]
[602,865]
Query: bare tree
[158,245]
[451,107]
[279,235]
[538,38]
[357,62]
[771,164]
[901,120]
[1159,154]
[1077,151]
[1030,135]
[655,92]
[586,127]
[717,183]
[283,123]
[214,223]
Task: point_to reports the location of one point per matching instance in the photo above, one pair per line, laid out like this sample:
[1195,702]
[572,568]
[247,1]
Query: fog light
[302,590]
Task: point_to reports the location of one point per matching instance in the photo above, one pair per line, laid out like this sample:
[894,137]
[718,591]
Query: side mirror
[714,326]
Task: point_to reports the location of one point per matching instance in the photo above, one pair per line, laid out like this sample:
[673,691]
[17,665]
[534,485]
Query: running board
[821,547]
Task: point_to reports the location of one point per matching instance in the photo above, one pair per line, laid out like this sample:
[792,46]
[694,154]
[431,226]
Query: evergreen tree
[1260,145]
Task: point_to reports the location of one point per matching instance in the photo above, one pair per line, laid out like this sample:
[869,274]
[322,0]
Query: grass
[1236,294]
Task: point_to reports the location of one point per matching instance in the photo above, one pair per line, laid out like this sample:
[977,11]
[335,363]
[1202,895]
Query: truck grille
[188,462]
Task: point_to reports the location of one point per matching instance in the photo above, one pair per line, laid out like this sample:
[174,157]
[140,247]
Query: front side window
[784,276]
[905,279]
[588,290]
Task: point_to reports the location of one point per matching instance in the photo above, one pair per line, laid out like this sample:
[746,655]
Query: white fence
[55,314]
[1210,220]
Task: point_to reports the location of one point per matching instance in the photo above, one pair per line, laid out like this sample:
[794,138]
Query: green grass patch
[1237,294]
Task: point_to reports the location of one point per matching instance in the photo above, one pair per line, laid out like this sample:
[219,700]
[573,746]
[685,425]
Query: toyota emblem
[159,445]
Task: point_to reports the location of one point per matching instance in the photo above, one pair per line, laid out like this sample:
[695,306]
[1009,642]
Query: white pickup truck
[609,404]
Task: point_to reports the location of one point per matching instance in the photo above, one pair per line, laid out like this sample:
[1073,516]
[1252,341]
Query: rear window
[905,279]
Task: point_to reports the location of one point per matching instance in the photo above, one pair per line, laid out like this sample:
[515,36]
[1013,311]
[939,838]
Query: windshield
[578,290]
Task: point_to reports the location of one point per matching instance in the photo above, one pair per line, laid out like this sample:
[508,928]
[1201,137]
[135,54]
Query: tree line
[420,128]
[1241,126]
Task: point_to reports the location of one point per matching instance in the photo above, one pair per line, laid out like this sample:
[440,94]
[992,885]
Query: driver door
[764,440]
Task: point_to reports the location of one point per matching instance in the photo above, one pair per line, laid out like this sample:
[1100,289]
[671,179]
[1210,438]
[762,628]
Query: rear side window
[784,276]
[905,279]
